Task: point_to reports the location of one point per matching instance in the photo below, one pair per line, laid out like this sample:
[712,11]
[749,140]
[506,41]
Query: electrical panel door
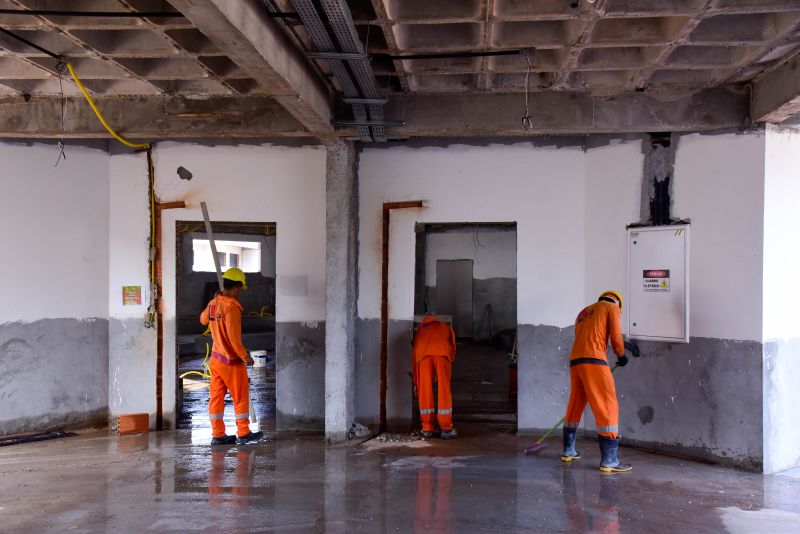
[658,283]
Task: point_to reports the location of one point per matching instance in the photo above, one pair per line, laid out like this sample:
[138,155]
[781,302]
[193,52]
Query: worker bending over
[432,358]
[591,380]
[228,360]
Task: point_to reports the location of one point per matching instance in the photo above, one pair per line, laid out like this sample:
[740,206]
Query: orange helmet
[613,295]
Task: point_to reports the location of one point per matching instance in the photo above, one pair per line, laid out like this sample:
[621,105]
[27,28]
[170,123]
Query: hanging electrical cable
[61,68]
[527,121]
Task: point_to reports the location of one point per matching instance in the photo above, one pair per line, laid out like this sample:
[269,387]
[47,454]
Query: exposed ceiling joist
[776,95]
[566,113]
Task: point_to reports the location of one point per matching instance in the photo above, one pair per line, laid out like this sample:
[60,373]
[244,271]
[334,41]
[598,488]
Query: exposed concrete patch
[300,365]
[645,414]
[781,400]
[54,374]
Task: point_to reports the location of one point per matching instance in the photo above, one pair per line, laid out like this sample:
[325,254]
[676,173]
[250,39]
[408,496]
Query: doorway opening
[466,273]
[250,247]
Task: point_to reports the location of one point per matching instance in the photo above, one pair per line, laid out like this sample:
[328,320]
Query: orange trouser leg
[238,386]
[602,396]
[577,399]
[425,373]
[445,404]
[216,401]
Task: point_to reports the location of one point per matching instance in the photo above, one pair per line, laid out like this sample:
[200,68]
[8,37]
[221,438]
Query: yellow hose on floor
[108,128]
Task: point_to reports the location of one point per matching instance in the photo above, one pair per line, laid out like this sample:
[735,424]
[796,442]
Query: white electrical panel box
[658,283]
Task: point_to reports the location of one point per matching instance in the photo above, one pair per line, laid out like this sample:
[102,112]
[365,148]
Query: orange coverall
[590,377]
[227,364]
[433,355]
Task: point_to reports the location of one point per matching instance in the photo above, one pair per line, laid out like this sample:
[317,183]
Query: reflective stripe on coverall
[227,366]
[590,376]
[433,356]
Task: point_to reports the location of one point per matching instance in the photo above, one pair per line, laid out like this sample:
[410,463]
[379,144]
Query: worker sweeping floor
[163,482]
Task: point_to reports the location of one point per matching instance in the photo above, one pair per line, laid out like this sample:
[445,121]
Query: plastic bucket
[259,358]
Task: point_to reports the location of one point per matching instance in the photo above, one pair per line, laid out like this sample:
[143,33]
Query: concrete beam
[243,31]
[149,117]
[776,95]
[565,113]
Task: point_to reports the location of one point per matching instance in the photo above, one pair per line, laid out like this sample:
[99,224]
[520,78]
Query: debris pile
[399,438]
[358,431]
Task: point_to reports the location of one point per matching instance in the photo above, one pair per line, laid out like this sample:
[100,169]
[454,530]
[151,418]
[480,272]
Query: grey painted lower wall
[368,380]
[132,364]
[701,399]
[54,374]
[781,401]
[300,375]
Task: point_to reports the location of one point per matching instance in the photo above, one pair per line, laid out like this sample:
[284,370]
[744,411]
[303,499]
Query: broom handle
[547,434]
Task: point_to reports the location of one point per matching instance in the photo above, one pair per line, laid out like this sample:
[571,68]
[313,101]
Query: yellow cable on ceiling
[108,128]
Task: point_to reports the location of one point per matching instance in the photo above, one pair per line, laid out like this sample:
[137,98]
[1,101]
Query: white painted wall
[132,347]
[542,189]
[781,231]
[493,251]
[55,239]
[719,185]
[613,198]
[781,297]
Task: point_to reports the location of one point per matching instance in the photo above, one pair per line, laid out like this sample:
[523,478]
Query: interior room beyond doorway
[250,247]
[467,272]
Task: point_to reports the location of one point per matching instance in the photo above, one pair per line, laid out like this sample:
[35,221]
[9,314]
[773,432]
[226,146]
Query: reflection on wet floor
[194,409]
[164,482]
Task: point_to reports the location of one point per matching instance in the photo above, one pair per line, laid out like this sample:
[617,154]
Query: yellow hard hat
[614,295]
[236,275]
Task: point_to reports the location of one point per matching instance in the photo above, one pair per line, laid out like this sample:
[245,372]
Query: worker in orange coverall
[432,358]
[591,380]
[228,360]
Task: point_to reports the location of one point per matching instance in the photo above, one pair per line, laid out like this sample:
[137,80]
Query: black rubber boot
[609,462]
[252,437]
[224,440]
[449,434]
[570,453]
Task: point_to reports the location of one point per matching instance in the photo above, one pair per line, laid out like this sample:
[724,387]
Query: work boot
[609,462]
[449,434]
[252,437]
[570,453]
[428,434]
[224,440]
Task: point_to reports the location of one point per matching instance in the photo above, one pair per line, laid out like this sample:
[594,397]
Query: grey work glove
[622,361]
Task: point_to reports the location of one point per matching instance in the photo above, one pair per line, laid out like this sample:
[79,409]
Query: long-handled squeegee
[539,446]
[207,221]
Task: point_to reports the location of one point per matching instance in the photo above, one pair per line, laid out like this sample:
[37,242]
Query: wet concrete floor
[173,481]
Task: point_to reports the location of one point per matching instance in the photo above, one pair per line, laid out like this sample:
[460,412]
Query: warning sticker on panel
[656,280]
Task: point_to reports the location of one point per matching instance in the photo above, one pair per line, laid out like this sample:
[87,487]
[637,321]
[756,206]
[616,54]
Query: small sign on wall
[656,281]
[131,295]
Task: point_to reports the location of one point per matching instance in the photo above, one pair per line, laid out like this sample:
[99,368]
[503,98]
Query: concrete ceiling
[226,67]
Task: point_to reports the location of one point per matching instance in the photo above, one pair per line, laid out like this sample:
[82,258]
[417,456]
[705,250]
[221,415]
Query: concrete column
[341,206]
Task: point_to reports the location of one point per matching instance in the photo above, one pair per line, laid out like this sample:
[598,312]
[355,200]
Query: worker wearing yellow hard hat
[591,380]
[228,359]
